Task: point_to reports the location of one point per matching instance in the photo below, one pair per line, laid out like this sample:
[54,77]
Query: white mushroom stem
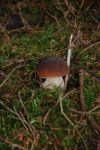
[68,58]
[52,82]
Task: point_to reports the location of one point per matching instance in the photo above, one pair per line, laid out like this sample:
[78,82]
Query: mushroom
[53,70]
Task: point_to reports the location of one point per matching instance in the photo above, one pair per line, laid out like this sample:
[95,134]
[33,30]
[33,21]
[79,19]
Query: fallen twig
[21,118]
[62,111]
[13,145]
[8,76]
[90,46]
[83,112]
[47,114]
[70,7]
[25,109]
[94,125]
[81,90]
[70,121]
[55,18]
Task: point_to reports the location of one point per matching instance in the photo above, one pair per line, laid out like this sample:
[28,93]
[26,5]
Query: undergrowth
[30,117]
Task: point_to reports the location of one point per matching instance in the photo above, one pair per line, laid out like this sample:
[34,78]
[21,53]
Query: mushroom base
[52,82]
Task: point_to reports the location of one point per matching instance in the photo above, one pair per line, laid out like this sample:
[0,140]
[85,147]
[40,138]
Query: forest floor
[32,118]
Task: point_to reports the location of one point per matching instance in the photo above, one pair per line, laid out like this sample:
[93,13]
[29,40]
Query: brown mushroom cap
[52,67]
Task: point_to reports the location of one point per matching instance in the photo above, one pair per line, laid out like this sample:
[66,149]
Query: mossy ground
[30,117]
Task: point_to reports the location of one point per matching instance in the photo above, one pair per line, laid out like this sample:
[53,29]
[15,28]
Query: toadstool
[53,69]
